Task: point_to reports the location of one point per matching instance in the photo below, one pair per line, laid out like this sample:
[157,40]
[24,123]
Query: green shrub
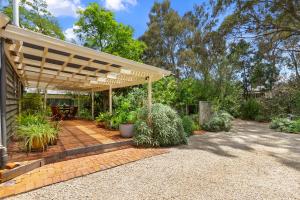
[85,114]
[103,119]
[163,128]
[221,121]
[37,136]
[250,109]
[26,119]
[36,132]
[297,126]
[261,118]
[286,125]
[32,103]
[188,125]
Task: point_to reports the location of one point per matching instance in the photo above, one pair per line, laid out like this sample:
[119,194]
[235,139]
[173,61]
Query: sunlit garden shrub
[286,125]
[250,109]
[221,121]
[163,128]
[189,125]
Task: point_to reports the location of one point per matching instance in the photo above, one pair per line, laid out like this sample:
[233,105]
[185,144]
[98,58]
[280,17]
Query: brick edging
[10,174]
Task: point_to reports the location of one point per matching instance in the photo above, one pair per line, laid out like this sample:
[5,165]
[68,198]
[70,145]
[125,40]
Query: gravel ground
[250,162]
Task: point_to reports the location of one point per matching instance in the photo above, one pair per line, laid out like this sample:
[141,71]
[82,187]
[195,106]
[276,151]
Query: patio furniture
[65,111]
[73,112]
[56,114]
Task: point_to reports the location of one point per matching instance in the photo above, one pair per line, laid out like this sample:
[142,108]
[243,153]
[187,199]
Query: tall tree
[202,45]
[278,19]
[163,37]
[98,29]
[35,16]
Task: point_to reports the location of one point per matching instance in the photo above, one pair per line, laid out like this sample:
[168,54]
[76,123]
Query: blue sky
[130,12]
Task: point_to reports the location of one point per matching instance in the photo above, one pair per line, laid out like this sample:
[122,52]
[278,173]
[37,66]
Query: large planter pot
[126,130]
[37,145]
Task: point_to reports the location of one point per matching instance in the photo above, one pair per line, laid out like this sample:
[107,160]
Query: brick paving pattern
[73,134]
[65,170]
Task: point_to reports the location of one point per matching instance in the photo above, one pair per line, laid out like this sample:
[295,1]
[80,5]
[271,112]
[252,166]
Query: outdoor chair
[56,114]
[73,112]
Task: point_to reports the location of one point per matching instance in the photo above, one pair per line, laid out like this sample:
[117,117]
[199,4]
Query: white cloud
[119,4]
[70,35]
[64,7]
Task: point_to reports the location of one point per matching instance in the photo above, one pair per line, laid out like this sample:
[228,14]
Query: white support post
[16,12]
[45,100]
[78,101]
[93,104]
[110,99]
[149,95]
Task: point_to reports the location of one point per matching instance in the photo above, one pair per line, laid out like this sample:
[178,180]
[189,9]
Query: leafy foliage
[163,128]
[35,16]
[98,29]
[85,113]
[32,103]
[286,125]
[36,132]
[221,121]
[103,119]
[163,37]
[250,109]
[189,125]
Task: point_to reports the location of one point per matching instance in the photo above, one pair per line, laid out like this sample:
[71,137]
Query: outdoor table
[65,111]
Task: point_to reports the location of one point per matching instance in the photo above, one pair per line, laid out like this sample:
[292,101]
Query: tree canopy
[35,16]
[97,28]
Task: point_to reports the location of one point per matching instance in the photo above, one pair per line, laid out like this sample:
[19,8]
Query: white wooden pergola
[45,63]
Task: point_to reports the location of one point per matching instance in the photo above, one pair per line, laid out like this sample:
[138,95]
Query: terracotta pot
[37,145]
[53,142]
[126,130]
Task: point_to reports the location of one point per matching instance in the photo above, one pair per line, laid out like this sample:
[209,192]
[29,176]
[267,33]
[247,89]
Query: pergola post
[93,104]
[78,101]
[110,99]
[45,99]
[149,95]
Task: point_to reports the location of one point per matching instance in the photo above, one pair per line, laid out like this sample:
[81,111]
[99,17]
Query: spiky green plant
[163,127]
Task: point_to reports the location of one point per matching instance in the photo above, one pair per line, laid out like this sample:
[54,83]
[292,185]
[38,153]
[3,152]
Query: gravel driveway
[250,162]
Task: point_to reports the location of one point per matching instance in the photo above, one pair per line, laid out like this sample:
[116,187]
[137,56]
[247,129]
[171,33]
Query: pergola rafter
[56,63]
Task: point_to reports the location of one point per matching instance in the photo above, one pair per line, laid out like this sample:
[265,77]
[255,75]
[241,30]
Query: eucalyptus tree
[163,37]
[275,24]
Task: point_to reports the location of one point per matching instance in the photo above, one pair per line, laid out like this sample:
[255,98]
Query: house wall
[13,95]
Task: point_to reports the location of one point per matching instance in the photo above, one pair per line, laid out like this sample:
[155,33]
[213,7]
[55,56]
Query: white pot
[126,130]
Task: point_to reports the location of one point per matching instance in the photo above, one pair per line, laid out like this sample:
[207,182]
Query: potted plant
[103,119]
[126,126]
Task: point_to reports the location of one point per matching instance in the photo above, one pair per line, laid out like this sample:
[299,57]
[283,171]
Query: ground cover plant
[286,125]
[163,127]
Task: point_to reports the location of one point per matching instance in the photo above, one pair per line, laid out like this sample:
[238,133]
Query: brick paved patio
[62,171]
[74,134]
